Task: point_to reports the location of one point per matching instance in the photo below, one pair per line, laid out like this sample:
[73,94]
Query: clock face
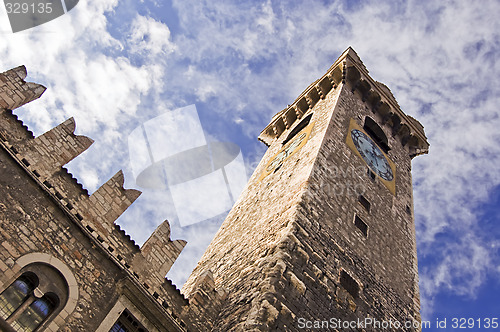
[287,151]
[372,155]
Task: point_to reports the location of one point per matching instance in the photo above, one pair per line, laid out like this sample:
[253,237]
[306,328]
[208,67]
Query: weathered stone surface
[47,218]
[290,250]
[283,248]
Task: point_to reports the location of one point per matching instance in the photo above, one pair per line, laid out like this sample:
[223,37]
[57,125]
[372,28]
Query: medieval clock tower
[323,235]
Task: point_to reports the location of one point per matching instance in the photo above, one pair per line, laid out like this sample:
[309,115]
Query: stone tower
[323,235]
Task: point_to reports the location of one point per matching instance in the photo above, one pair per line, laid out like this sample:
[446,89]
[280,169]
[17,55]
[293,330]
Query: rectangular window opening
[127,323]
[349,284]
[363,227]
[366,204]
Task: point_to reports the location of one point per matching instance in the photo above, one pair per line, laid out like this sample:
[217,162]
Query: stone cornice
[382,101]
[349,70]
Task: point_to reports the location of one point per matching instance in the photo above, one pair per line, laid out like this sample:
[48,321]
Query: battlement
[43,158]
[14,91]
[300,242]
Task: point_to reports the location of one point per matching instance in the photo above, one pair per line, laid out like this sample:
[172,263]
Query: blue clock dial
[372,155]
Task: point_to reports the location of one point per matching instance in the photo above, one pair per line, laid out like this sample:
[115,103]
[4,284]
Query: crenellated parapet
[14,91]
[157,255]
[108,202]
[100,211]
[379,98]
[55,148]
[43,159]
[44,156]
[13,129]
[316,91]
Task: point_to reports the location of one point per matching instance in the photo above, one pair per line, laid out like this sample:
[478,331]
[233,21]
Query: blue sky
[114,64]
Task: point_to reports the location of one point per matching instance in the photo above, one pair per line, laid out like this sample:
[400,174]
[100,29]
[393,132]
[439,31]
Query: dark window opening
[363,227]
[350,285]
[298,128]
[36,313]
[408,210]
[366,204]
[376,133]
[17,293]
[20,308]
[127,323]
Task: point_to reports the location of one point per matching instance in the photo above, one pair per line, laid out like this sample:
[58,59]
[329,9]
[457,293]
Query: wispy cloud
[241,63]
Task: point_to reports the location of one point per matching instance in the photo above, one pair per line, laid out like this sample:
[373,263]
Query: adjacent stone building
[64,264]
[322,236]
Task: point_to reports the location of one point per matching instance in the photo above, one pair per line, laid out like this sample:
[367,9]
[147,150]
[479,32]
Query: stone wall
[48,218]
[289,250]
[249,255]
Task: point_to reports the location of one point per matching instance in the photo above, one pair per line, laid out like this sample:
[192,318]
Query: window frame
[361,225]
[27,278]
[128,323]
[48,267]
[365,203]
[298,128]
[24,308]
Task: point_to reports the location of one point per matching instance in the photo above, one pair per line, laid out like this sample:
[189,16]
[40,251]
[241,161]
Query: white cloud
[149,37]
[90,177]
[247,61]
[89,77]
[426,53]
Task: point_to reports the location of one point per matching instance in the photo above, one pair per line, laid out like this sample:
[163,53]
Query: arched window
[376,133]
[17,293]
[33,298]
